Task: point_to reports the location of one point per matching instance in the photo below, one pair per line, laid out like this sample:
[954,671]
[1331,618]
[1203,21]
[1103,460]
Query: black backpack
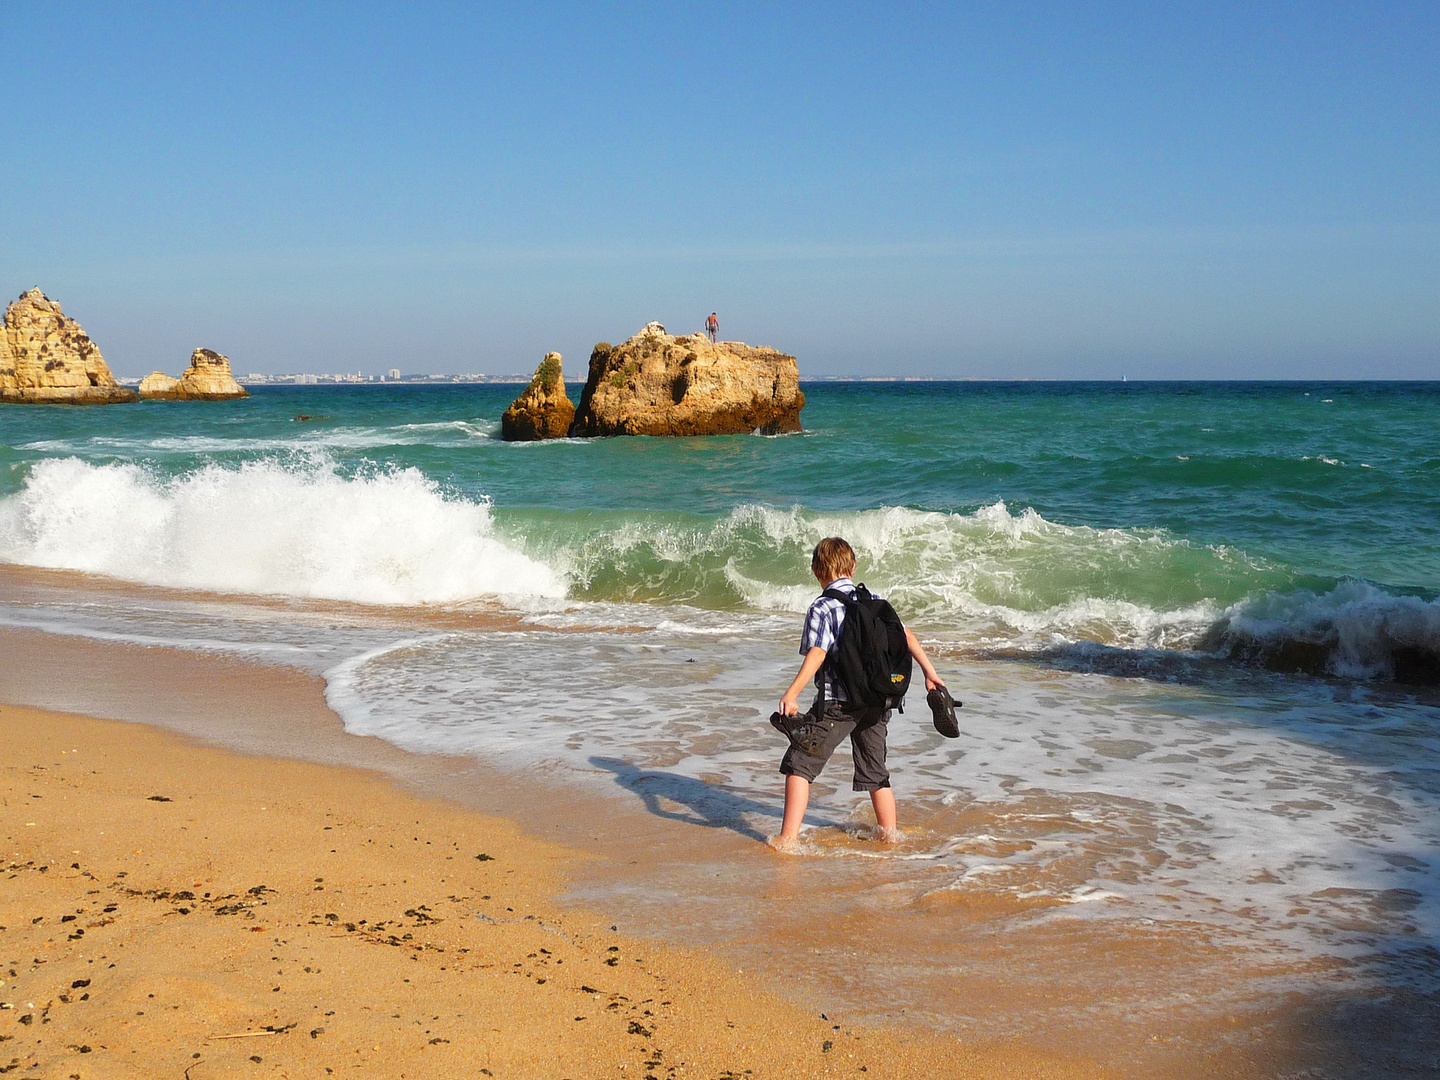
[871,660]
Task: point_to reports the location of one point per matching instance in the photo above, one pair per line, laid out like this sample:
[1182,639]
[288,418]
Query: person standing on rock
[712,327]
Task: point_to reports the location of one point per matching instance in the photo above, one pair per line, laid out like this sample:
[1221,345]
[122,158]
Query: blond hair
[833,558]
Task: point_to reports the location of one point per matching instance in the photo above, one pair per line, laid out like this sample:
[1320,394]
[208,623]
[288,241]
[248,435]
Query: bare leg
[883,800]
[797,798]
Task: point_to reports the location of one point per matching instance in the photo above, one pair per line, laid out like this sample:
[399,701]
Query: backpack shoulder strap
[836,594]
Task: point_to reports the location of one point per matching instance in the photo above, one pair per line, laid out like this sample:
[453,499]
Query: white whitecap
[390,537]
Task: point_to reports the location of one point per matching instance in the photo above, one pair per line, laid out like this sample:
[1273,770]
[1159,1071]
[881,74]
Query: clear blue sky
[993,190]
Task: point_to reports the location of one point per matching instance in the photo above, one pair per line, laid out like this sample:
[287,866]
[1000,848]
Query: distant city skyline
[999,191]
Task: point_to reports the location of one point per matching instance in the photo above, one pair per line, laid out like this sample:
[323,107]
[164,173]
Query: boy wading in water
[833,717]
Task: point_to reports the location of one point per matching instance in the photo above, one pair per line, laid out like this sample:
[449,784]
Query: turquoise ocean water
[1215,516]
[1196,626]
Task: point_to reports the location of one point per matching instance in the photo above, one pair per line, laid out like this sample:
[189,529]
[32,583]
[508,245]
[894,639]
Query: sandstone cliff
[543,410]
[46,359]
[207,378]
[655,384]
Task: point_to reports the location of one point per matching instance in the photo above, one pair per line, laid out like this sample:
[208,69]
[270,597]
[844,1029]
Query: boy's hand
[789,706]
[932,681]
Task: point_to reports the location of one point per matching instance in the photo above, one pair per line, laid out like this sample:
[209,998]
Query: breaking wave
[389,537]
[1354,631]
[993,579]
[991,573]
[1001,579]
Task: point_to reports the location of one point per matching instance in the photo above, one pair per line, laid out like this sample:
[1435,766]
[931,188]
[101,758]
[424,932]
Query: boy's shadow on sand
[706,805]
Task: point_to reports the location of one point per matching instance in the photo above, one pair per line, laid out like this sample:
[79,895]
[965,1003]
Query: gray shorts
[866,730]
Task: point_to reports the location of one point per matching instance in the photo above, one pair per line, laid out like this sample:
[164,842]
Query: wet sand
[171,909]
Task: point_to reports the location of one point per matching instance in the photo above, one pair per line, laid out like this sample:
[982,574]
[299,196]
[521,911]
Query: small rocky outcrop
[46,359]
[207,378]
[544,410]
[655,384]
[158,385]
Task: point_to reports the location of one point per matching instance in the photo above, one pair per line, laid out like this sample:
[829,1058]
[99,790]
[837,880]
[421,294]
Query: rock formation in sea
[158,385]
[46,359]
[655,384]
[543,410]
[207,378]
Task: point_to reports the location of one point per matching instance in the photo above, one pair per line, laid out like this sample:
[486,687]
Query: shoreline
[1152,1003]
[172,905]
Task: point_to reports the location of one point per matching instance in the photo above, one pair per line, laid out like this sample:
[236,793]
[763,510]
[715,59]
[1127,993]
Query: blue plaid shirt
[822,629]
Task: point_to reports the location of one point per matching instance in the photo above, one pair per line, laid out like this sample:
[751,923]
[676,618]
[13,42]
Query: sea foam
[991,578]
[299,529]
[1354,631]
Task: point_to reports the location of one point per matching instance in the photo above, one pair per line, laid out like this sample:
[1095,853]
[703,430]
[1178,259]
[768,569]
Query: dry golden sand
[173,910]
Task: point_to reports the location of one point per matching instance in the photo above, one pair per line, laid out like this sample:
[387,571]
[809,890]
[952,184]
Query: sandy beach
[176,910]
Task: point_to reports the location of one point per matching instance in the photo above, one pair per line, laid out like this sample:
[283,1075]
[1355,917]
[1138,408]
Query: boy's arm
[917,651]
[790,702]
